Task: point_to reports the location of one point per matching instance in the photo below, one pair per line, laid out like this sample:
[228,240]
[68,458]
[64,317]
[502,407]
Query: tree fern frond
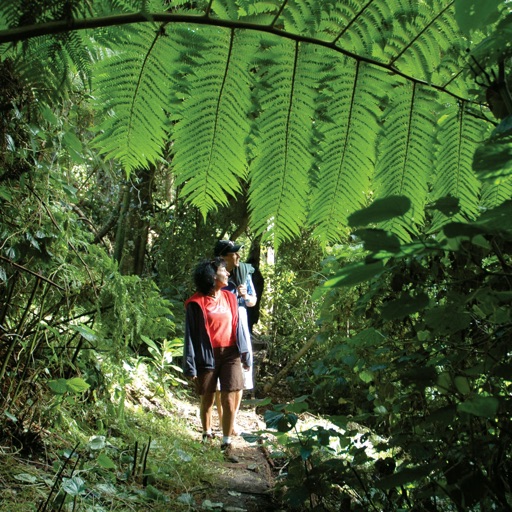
[225,9]
[424,44]
[261,13]
[405,154]
[209,148]
[304,17]
[365,27]
[495,194]
[459,135]
[10,14]
[50,65]
[279,172]
[135,127]
[350,103]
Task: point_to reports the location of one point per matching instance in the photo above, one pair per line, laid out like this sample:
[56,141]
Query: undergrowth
[147,460]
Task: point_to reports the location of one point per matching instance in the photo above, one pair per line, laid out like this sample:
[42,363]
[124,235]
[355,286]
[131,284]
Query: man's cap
[223,247]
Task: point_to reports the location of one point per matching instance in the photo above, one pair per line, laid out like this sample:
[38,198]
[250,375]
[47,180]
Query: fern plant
[315,107]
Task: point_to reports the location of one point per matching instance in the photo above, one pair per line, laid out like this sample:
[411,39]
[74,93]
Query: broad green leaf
[462,384]
[11,416]
[444,383]
[380,210]
[367,338]
[493,160]
[356,273]
[58,386]
[73,486]
[366,376]
[448,205]
[305,452]
[483,406]
[26,478]
[96,443]
[376,240]
[105,461]
[258,402]
[404,306]
[447,319]
[298,405]
[187,499]
[476,14]
[77,385]
[279,421]
[88,333]
[149,342]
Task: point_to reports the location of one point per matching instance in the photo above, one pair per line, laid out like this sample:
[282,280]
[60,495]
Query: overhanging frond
[286,94]
[459,135]
[347,118]
[495,194]
[302,113]
[134,129]
[405,154]
[210,136]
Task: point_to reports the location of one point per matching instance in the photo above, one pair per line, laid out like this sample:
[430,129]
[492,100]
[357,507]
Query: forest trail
[247,485]
[244,486]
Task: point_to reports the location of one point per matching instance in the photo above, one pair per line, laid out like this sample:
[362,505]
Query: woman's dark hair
[205,272]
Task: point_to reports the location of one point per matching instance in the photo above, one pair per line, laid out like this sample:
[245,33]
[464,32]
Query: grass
[146,458]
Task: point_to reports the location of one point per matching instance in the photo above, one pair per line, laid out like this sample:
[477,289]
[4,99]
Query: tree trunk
[290,364]
[134,222]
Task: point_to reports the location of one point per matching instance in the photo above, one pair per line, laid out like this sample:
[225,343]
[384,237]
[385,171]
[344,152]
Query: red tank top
[220,321]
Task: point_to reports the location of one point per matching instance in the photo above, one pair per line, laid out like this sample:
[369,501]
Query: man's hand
[242,290]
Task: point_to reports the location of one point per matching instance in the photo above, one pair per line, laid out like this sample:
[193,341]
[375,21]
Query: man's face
[232,260]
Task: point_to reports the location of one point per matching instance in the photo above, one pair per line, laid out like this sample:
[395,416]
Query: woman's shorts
[228,371]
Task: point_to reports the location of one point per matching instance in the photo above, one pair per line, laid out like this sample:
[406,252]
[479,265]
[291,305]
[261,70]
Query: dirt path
[245,486]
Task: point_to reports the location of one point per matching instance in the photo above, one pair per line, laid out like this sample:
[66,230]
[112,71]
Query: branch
[25,269]
[290,364]
[58,27]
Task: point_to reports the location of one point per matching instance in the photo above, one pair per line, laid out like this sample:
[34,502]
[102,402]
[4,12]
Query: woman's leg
[229,400]
[205,411]
[219,407]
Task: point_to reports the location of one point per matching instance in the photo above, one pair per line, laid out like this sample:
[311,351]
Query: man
[241,285]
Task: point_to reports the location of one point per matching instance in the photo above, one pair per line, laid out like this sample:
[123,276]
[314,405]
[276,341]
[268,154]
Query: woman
[215,347]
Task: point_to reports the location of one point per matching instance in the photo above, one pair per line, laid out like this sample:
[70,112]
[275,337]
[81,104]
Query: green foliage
[426,375]
[313,110]
[316,109]
[123,134]
[289,310]
[97,462]
[213,104]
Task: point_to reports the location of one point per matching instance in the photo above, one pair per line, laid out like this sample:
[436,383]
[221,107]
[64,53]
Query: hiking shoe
[227,449]
[208,437]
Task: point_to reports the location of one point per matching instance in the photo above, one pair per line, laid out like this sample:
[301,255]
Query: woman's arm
[191,333]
